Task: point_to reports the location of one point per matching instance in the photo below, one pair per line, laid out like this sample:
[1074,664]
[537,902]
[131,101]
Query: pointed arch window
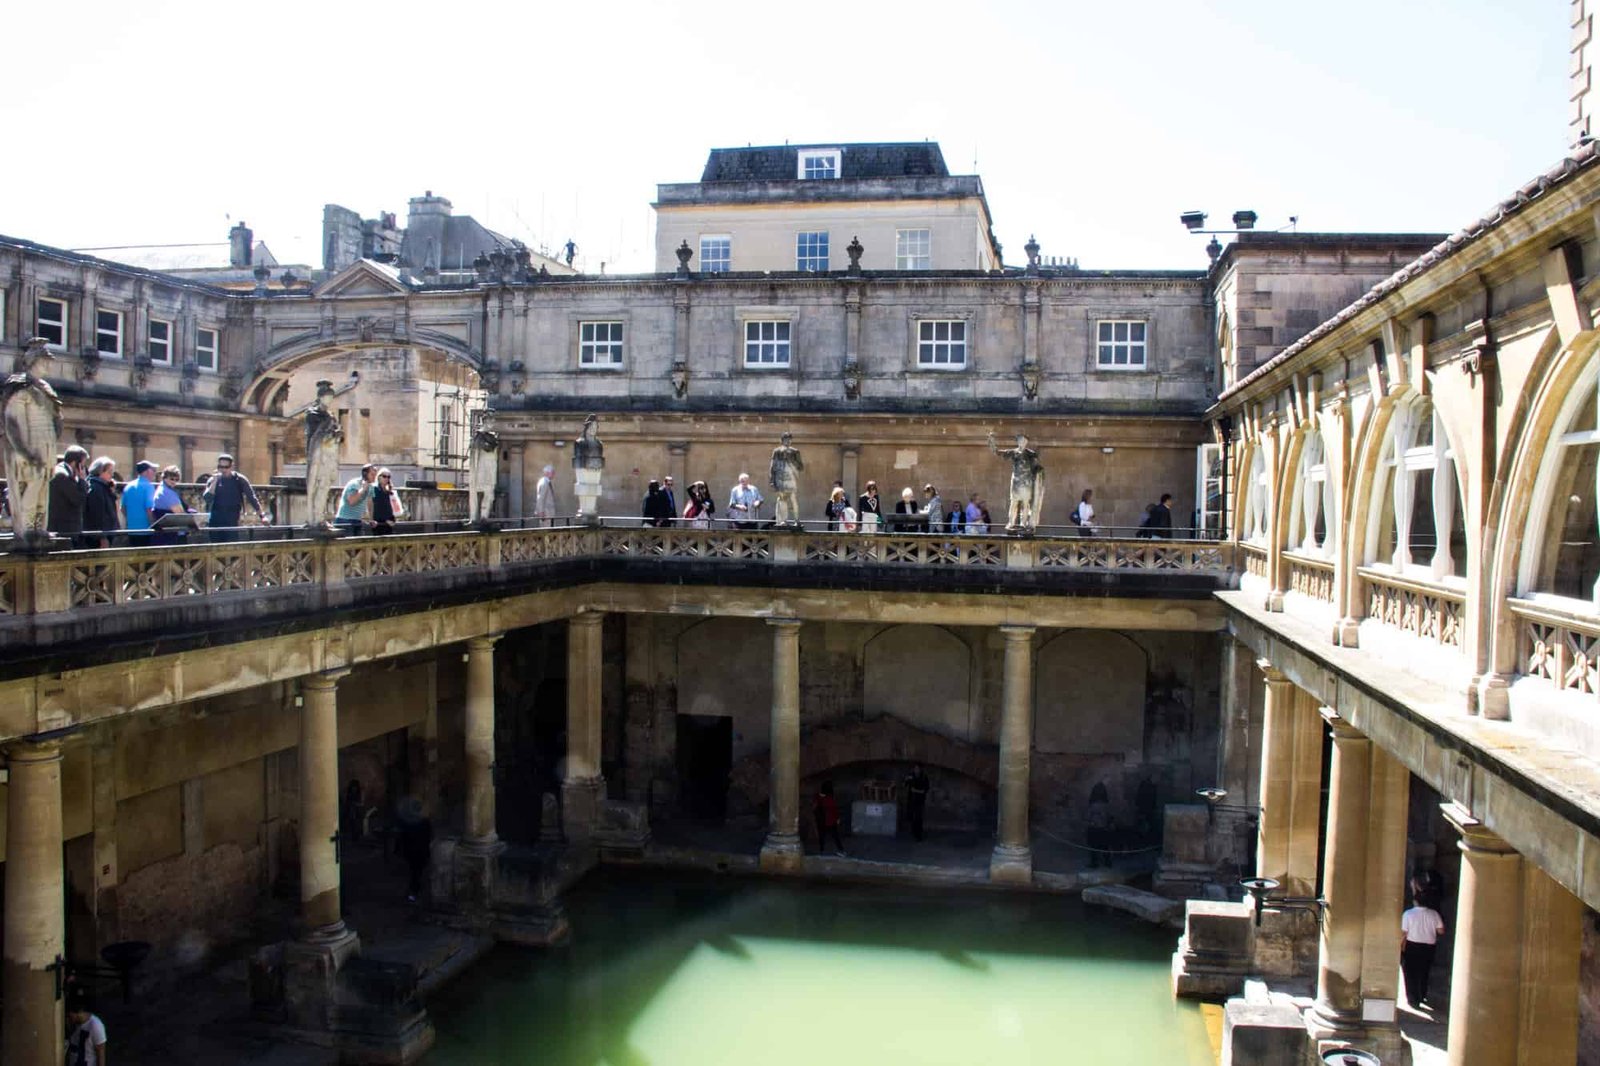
[1418,522]
[1564,531]
[1257,494]
[1312,506]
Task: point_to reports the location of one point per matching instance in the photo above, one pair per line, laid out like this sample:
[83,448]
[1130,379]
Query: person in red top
[825,809]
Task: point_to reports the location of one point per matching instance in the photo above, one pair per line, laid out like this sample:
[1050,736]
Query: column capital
[1018,633]
[25,750]
[1273,675]
[784,623]
[1342,729]
[486,642]
[677,447]
[587,618]
[324,681]
[1475,836]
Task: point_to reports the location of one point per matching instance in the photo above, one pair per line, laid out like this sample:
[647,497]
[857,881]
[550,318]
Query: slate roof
[1579,161]
[781,163]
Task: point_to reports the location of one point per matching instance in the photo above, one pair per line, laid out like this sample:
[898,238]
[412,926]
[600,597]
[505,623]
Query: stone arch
[922,675]
[267,382]
[1090,694]
[725,671]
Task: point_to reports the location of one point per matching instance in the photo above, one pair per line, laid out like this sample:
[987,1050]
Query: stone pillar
[319,805]
[1386,890]
[1277,776]
[850,470]
[479,730]
[1233,756]
[678,467]
[186,457]
[32,1022]
[582,786]
[1344,884]
[782,851]
[1484,992]
[1305,797]
[1552,941]
[515,473]
[1012,861]
[428,787]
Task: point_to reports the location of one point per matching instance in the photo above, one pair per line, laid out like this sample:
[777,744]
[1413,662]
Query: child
[86,1045]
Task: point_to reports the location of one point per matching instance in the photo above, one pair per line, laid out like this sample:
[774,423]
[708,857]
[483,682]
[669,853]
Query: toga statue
[588,460]
[483,470]
[30,415]
[323,440]
[785,481]
[1027,484]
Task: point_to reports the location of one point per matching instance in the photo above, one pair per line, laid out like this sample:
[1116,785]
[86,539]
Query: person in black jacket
[869,505]
[657,510]
[100,523]
[69,492]
[1161,518]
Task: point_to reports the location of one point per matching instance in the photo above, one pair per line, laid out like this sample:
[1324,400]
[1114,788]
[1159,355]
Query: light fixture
[1193,219]
[1349,1056]
[561,444]
[1107,450]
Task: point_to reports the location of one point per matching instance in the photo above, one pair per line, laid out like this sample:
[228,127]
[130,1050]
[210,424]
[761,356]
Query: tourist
[100,509]
[974,516]
[672,499]
[934,506]
[837,506]
[86,1043]
[1421,926]
[416,844]
[983,513]
[657,511]
[744,503]
[1161,521]
[1083,514]
[869,509]
[225,494]
[167,501]
[700,509]
[69,492]
[1097,822]
[544,498]
[825,810]
[387,507]
[956,519]
[137,497]
[917,787]
[1147,523]
[354,499]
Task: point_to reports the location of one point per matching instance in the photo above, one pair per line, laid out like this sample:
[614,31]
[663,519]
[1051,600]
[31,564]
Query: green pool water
[686,970]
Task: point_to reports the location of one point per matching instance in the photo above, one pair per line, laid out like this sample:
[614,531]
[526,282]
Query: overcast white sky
[1093,124]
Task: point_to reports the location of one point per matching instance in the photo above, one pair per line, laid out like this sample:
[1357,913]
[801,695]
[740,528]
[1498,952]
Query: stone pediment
[364,277]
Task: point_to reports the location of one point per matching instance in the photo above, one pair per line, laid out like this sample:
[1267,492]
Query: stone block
[1285,943]
[1214,953]
[1185,831]
[1141,904]
[622,829]
[874,819]
[1262,1034]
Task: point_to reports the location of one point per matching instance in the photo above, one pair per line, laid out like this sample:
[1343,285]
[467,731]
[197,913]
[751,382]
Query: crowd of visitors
[89,506]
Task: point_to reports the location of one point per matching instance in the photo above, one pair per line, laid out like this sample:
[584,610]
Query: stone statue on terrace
[483,470]
[1027,485]
[30,416]
[324,440]
[588,462]
[785,481]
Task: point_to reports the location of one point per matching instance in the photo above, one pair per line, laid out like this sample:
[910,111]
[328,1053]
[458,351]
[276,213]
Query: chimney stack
[241,244]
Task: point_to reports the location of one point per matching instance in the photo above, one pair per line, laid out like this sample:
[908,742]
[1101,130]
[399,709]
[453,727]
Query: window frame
[935,320]
[1099,346]
[900,259]
[215,348]
[61,325]
[786,323]
[594,345]
[800,258]
[726,261]
[832,158]
[166,342]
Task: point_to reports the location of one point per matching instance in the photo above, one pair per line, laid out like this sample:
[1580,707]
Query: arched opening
[1256,488]
[1562,551]
[1311,502]
[1416,524]
[921,675]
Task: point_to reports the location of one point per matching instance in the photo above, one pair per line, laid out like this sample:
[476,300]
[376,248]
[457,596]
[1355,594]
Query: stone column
[319,806]
[1277,776]
[186,457]
[1233,756]
[1305,797]
[582,786]
[31,1025]
[1487,969]
[782,851]
[1344,884]
[1552,941]
[479,730]
[515,472]
[1386,889]
[1012,861]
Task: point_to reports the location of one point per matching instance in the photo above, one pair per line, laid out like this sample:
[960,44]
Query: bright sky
[1093,123]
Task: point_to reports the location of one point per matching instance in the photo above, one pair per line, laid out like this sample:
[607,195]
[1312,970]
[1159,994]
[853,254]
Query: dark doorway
[705,757]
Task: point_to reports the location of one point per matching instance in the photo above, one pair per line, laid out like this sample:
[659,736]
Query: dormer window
[819,164]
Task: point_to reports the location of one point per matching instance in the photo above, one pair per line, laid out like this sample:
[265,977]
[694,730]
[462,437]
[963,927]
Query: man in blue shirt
[353,500]
[138,497]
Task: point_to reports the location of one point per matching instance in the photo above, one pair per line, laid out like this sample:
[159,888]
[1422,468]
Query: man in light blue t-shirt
[138,497]
[353,500]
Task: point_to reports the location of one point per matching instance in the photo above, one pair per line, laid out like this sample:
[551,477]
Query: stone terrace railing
[1559,647]
[194,574]
[1425,610]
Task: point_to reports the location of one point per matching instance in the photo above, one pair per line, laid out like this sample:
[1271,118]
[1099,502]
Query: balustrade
[1560,647]
[1432,612]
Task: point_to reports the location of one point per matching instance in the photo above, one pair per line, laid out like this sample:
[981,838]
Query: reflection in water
[685,970]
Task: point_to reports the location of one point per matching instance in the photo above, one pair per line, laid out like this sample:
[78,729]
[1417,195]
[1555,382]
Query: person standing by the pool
[917,786]
[825,809]
[1421,926]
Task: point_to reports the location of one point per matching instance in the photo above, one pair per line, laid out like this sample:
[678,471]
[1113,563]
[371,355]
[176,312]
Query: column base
[1347,633]
[580,806]
[1274,600]
[781,853]
[1332,1026]
[511,893]
[1011,864]
[1494,697]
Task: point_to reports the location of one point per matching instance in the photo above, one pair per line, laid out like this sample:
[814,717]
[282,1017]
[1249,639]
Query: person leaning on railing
[225,493]
[100,522]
